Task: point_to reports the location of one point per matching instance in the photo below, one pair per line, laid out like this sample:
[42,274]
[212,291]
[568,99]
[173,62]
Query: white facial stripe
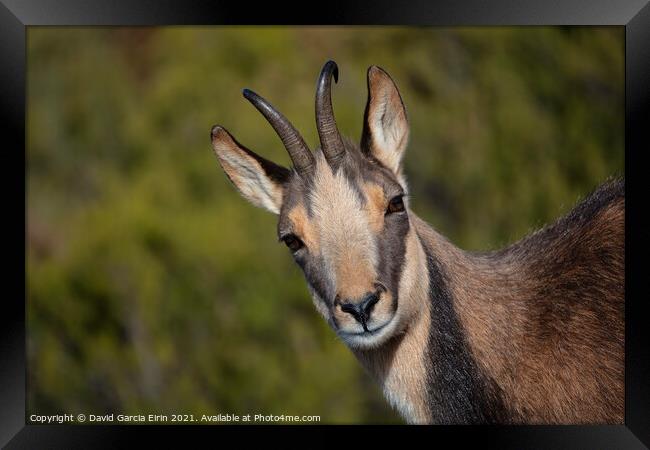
[347,242]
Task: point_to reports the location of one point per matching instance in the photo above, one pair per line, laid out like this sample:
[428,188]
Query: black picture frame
[16,15]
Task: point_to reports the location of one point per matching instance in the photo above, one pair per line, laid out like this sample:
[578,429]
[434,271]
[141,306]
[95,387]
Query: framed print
[412,218]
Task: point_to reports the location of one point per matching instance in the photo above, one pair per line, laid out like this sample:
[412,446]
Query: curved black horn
[302,158]
[330,138]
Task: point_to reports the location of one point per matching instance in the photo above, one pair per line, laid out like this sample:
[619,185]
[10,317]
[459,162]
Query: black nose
[361,310]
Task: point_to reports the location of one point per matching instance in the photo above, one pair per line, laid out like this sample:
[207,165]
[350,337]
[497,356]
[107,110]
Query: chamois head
[343,211]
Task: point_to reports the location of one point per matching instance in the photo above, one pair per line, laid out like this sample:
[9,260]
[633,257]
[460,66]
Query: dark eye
[292,241]
[395,205]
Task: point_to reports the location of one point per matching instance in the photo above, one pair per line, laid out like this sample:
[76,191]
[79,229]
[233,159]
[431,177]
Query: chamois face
[342,210]
[346,229]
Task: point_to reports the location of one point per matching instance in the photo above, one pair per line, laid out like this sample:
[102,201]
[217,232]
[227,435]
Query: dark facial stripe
[313,271]
[391,245]
[458,392]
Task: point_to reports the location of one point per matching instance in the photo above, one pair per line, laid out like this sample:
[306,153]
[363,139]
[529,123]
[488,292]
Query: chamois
[530,334]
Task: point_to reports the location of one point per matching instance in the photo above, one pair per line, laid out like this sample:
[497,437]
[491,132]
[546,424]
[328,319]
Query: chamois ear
[259,180]
[385,126]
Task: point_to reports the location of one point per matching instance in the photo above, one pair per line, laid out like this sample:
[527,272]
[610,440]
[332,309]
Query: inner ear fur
[385,124]
[256,178]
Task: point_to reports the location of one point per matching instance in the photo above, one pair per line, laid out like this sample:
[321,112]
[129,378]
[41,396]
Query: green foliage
[153,287]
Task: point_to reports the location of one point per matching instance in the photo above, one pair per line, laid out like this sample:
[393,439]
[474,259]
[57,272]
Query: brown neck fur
[542,319]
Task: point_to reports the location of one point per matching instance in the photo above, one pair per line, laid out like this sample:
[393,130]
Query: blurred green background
[152,287]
